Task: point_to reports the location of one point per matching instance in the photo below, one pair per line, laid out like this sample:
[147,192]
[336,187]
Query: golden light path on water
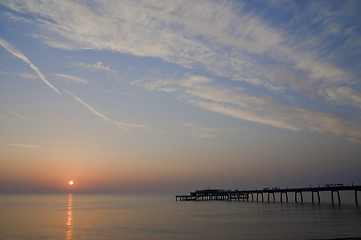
[69,221]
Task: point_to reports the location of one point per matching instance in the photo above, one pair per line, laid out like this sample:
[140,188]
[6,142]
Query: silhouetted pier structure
[259,195]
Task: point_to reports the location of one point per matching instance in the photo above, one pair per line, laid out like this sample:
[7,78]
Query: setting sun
[71,182]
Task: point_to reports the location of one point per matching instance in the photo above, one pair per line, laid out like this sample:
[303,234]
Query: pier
[259,195]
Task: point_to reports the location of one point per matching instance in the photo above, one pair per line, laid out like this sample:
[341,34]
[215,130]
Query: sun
[71,182]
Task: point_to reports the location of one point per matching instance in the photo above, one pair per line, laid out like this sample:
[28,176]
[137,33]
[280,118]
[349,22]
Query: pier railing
[259,195]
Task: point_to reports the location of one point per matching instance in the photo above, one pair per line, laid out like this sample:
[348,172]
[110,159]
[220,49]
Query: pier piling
[318,196]
[356,198]
[300,192]
[338,196]
[273,194]
[284,192]
[261,195]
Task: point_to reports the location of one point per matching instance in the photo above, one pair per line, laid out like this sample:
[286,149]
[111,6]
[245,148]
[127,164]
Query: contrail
[94,111]
[18,54]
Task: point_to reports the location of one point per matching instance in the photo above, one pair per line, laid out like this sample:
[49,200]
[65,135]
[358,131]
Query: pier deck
[246,195]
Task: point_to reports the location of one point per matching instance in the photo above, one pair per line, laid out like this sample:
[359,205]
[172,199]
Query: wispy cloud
[21,145]
[203,92]
[98,66]
[17,115]
[22,75]
[345,95]
[200,131]
[18,54]
[354,140]
[71,78]
[26,75]
[237,44]
[228,41]
[119,124]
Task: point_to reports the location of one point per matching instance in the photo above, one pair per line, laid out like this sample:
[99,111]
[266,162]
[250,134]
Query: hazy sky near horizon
[125,96]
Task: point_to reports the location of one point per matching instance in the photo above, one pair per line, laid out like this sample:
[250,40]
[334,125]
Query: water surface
[138,217]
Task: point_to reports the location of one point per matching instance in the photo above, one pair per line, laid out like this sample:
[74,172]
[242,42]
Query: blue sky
[179,94]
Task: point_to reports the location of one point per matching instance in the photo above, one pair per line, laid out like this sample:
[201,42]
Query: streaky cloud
[17,115]
[121,125]
[97,66]
[71,78]
[227,41]
[23,75]
[345,95]
[3,116]
[20,55]
[180,32]
[26,75]
[237,103]
[354,140]
[200,131]
[21,145]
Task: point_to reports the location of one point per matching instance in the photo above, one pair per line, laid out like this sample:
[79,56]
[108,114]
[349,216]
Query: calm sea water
[87,217]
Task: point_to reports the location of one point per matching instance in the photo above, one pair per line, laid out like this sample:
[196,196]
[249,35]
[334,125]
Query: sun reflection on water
[69,221]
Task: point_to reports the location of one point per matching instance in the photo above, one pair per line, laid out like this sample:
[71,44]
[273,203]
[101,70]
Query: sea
[143,217]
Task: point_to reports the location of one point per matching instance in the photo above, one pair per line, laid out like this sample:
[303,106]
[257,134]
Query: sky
[173,96]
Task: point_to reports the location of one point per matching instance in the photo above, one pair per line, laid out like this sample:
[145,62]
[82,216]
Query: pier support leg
[271,193]
[300,196]
[356,198]
[332,198]
[318,196]
[274,198]
[261,196]
[338,197]
[281,197]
